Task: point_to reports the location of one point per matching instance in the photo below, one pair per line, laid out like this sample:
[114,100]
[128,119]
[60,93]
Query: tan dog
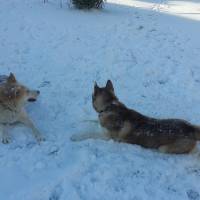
[126,125]
[13,97]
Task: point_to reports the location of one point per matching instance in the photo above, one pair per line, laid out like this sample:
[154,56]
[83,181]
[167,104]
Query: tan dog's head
[103,97]
[13,91]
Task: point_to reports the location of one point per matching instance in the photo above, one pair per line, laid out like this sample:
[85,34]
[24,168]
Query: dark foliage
[88,4]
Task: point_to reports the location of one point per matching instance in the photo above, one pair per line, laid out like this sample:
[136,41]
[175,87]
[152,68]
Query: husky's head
[13,91]
[103,97]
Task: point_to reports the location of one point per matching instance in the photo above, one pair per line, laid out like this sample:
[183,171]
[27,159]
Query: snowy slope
[151,51]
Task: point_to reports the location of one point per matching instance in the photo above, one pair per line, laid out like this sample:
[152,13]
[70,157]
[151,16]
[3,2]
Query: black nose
[38,92]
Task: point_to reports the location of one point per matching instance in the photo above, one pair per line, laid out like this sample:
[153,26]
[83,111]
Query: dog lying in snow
[13,97]
[126,125]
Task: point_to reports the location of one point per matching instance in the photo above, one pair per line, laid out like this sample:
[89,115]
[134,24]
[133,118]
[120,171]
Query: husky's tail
[197,133]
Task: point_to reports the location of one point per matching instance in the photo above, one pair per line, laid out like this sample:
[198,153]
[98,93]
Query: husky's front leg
[86,136]
[4,134]
[24,119]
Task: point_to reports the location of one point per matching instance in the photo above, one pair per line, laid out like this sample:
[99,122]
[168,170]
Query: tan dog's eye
[17,93]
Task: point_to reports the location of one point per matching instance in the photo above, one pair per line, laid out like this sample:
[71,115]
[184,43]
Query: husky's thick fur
[129,126]
[13,97]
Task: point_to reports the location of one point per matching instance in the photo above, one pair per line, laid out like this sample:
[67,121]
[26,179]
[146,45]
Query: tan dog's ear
[11,78]
[109,85]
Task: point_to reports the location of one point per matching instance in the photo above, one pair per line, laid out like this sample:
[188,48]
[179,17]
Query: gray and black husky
[129,126]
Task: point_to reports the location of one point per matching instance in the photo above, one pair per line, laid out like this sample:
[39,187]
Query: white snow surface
[150,49]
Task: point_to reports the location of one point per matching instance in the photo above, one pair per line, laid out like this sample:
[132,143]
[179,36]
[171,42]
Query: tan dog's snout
[33,94]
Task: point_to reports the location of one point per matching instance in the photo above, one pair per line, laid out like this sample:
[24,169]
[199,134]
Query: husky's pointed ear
[11,78]
[96,87]
[109,85]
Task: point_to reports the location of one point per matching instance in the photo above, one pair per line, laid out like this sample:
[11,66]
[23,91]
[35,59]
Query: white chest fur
[8,115]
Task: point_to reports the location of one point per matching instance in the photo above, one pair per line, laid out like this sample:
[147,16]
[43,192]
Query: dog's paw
[40,138]
[6,139]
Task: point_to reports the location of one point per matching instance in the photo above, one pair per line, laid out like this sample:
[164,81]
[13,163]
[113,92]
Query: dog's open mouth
[32,99]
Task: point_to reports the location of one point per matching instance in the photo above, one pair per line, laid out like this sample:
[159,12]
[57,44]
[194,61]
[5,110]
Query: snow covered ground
[150,49]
